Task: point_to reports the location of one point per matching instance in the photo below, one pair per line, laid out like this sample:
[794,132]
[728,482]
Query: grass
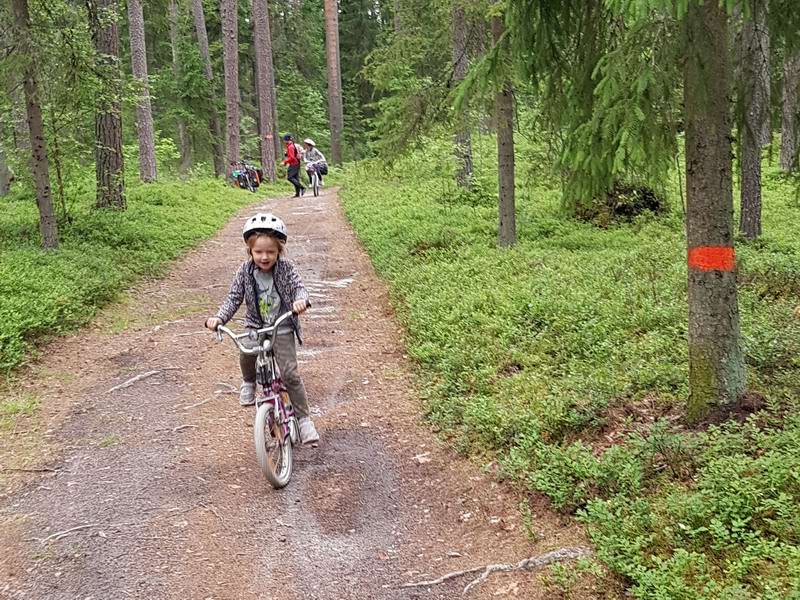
[13,409]
[565,359]
[102,252]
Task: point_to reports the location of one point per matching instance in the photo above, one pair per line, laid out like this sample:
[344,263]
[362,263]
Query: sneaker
[308,433]
[302,191]
[247,394]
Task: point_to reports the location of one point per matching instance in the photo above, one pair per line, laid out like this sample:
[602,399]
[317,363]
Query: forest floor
[152,490]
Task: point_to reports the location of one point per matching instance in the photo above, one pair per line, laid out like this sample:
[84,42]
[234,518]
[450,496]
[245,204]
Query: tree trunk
[103,16]
[462,139]
[334,79]
[213,122]
[716,364]
[230,59]
[504,123]
[265,76]
[790,107]
[183,136]
[5,174]
[39,163]
[755,125]
[398,17]
[20,121]
[62,197]
[144,112]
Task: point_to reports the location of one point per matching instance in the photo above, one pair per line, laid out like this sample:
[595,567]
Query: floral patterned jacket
[287,283]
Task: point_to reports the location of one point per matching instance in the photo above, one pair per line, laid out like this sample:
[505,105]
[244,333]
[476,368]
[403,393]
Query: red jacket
[292,156]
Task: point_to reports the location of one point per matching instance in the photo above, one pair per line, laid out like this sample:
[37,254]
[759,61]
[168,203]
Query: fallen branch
[196,404]
[61,534]
[31,470]
[133,380]
[529,564]
[182,427]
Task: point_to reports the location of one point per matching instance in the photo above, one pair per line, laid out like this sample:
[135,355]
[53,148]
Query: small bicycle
[275,429]
[314,174]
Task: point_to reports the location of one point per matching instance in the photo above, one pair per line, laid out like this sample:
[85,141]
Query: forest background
[586,212]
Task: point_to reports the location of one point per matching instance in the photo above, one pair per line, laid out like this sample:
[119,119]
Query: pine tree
[754,126]
[103,17]
[144,112]
[264,84]
[335,109]
[230,58]
[790,107]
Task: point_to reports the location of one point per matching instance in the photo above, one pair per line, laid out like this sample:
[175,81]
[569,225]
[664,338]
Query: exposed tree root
[529,564]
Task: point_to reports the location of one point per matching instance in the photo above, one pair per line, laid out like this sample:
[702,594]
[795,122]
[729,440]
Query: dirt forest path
[152,491]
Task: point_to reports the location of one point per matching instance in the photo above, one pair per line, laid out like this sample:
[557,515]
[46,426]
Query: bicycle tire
[268,435]
[315,183]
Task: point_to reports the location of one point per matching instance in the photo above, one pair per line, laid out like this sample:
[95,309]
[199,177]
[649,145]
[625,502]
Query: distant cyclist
[314,159]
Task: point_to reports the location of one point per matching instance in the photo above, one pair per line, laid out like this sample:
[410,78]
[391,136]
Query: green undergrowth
[101,253]
[565,360]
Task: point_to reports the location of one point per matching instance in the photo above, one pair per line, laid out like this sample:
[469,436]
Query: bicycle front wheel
[316,184]
[273,448]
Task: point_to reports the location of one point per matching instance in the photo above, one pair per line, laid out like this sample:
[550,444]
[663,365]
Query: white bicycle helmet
[264,222]
[309,141]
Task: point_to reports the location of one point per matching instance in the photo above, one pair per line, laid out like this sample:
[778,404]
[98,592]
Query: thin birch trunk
[38,144]
[462,140]
[184,143]
[504,122]
[217,146]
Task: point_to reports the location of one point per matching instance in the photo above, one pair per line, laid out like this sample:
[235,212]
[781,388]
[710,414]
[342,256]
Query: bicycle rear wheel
[273,448]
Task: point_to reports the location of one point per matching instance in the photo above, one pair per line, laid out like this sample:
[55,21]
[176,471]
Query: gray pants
[286,357]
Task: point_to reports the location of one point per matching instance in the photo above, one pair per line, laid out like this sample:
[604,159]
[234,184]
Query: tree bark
[230,59]
[264,79]
[462,140]
[183,136]
[217,148]
[754,126]
[398,16]
[38,144]
[103,16]
[716,364]
[144,112]
[504,123]
[20,121]
[5,174]
[790,107]
[335,110]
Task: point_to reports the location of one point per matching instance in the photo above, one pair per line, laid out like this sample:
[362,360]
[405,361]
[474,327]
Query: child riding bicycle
[314,160]
[269,285]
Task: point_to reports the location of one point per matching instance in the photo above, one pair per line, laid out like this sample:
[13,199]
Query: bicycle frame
[267,372]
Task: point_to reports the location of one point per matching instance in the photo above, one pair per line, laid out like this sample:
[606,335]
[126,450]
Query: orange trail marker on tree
[712,258]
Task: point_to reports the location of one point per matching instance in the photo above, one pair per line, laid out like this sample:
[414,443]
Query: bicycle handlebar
[255,334]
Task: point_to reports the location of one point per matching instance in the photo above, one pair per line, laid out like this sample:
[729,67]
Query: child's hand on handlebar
[300,306]
[213,322]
